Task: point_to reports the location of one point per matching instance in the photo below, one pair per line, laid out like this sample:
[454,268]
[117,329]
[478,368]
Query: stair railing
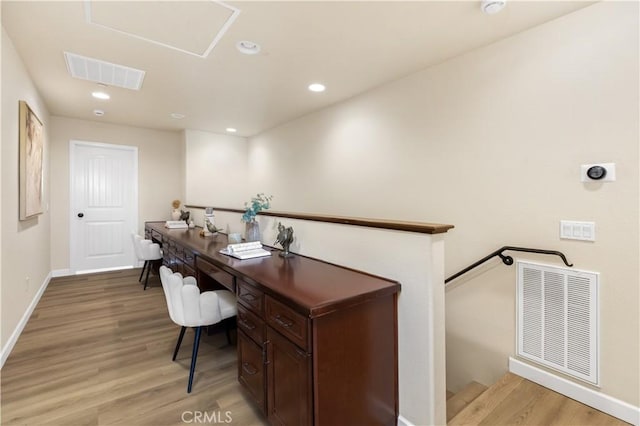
[507,260]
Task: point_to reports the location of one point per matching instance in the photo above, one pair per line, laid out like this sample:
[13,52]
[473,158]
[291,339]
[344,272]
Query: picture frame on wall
[31,135]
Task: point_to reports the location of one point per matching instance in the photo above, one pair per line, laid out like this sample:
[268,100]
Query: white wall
[492,142]
[25,244]
[160,173]
[216,169]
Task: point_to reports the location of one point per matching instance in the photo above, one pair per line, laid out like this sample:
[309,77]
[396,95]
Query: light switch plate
[577,230]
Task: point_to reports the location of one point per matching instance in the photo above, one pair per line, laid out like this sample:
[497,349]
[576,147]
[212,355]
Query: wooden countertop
[315,287]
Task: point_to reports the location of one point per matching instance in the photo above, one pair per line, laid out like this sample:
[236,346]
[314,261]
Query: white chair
[190,308]
[148,251]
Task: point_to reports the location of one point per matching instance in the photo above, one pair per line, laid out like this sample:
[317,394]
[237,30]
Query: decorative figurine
[285,238]
[209,227]
[184,215]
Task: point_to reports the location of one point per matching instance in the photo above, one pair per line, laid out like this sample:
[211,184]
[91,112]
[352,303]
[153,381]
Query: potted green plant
[257,204]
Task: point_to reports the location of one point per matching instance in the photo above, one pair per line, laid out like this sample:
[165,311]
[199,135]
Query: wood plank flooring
[97,350]
[457,402]
[514,400]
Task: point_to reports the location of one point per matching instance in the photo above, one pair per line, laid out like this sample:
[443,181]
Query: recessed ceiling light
[231,130]
[248,47]
[100,95]
[177,116]
[491,7]
[98,112]
[317,87]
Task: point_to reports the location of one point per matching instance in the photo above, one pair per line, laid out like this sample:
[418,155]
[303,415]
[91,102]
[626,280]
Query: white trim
[8,347]
[61,273]
[404,422]
[598,400]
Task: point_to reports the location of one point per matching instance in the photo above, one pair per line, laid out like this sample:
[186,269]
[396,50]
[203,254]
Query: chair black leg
[175,352]
[147,279]
[142,272]
[194,355]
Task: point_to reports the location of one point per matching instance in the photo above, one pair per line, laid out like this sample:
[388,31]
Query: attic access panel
[192,27]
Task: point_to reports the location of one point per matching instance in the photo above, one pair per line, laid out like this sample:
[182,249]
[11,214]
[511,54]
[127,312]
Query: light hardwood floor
[514,400]
[97,350]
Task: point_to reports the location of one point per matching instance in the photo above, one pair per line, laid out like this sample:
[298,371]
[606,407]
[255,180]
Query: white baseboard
[61,273]
[8,347]
[404,422]
[598,400]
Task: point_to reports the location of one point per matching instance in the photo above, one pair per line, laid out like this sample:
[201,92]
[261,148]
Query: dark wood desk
[317,343]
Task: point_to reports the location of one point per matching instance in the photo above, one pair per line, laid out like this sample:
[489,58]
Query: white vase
[175,214]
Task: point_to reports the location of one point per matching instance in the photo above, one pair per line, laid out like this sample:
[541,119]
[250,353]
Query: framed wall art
[31,159]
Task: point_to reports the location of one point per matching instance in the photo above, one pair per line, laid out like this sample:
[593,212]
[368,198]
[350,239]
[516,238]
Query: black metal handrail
[507,260]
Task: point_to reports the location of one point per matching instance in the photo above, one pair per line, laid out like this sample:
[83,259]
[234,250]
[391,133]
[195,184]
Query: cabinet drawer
[222,277]
[189,258]
[178,250]
[185,255]
[156,235]
[250,296]
[288,322]
[251,369]
[252,325]
[187,271]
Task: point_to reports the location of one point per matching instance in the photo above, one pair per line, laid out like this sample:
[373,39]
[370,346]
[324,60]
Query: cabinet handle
[246,324]
[249,369]
[286,324]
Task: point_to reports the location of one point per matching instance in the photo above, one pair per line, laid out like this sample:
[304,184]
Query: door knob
[80,215]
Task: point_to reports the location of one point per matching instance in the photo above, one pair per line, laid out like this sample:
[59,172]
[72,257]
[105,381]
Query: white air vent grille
[103,72]
[558,319]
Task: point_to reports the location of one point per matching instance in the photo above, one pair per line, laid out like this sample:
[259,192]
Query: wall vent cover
[558,319]
[103,72]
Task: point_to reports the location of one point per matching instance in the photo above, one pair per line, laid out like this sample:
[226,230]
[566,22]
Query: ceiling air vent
[103,72]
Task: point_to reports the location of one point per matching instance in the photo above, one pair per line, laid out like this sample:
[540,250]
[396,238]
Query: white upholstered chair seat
[147,251]
[190,308]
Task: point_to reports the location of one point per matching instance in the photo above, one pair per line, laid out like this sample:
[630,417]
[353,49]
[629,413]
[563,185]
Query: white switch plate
[609,177]
[575,230]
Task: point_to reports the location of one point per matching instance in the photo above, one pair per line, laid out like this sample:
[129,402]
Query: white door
[103,205]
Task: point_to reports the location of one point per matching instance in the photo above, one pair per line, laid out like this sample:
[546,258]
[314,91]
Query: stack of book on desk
[245,250]
[176,224]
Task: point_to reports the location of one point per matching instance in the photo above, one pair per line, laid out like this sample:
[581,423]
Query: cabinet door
[251,368]
[288,382]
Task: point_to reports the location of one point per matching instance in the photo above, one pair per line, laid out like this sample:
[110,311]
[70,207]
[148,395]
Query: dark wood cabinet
[251,358]
[288,382]
[317,343]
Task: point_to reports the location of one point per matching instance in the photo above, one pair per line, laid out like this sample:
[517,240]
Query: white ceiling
[351,47]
